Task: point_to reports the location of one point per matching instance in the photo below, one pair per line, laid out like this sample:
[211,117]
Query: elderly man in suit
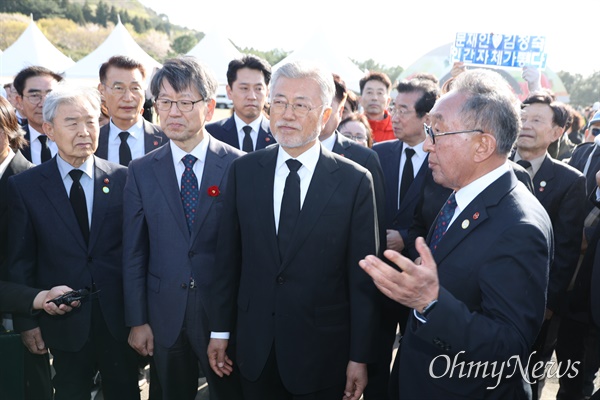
[32,85]
[478,295]
[560,188]
[247,86]
[128,135]
[66,215]
[173,202]
[296,221]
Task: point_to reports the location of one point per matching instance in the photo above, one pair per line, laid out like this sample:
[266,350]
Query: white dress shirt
[36,146]
[135,140]
[417,161]
[87,181]
[255,125]
[199,152]
[7,160]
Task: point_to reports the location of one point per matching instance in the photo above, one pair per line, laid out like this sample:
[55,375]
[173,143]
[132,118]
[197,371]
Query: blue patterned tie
[189,190]
[442,221]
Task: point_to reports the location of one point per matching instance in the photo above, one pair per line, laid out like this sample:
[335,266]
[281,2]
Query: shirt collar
[466,194]
[536,163]
[241,124]
[330,141]
[33,134]
[199,151]
[64,167]
[308,159]
[7,160]
[136,130]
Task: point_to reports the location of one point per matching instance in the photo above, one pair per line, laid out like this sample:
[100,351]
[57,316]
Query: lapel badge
[476,215]
[106,181]
[267,139]
[542,186]
[156,142]
[105,190]
[465,224]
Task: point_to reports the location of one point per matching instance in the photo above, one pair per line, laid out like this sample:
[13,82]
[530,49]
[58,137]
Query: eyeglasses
[432,135]
[120,90]
[182,105]
[595,131]
[299,109]
[36,98]
[401,112]
[357,138]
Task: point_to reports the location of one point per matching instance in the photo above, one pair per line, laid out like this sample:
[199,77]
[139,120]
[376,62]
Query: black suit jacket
[398,218]
[46,248]
[560,188]
[17,164]
[16,298]
[579,159]
[370,160]
[493,272]
[226,131]
[154,137]
[316,306]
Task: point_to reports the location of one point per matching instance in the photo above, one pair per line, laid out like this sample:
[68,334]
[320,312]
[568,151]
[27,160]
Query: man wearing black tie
[247,129]
[128,135]
[66,216]
[289,268]
[33,85]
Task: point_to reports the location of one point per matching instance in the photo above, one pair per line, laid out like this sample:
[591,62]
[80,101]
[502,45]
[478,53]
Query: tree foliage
[184,43]
[582,91]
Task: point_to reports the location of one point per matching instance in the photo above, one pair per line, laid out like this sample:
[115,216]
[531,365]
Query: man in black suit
[128,135]
[33,85]
[247,87]
[169,243]
[480,297]
[296,220]
[67,220]
[560,188]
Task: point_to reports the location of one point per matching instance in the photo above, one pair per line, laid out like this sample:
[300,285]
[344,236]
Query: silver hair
[491,106]
[185,72]
[306,70]
[66,93]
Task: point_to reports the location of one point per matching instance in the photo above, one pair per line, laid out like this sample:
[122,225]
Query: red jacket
[382,129]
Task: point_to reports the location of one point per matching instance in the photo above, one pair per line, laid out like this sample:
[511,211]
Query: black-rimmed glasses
[432,135]
[182,105]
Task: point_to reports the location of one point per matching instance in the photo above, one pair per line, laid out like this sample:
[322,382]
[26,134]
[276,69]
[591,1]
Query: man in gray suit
[172,213]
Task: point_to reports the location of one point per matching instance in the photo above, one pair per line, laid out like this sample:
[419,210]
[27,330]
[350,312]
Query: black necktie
[408,175]
[442,221]
[45,154]
[290,206]
[77,197]
[124,150]
[524,164]
[247,146]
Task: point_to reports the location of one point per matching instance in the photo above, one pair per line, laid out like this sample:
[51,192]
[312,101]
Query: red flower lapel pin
[213,191]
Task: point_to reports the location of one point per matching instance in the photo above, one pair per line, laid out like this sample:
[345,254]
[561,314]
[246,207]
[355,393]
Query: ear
[210,110]
[48,130]
[19,100]
[325,118]
[485,147]
[340,110]
[557,132]
[229,93]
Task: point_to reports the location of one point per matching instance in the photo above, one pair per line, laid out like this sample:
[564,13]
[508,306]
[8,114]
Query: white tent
[119,42]
[216,51]
[32,48]
[321,50]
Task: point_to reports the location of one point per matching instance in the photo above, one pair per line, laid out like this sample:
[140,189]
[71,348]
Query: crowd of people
[284,251]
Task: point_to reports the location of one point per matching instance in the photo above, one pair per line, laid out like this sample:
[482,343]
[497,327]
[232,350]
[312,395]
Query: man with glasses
[374,99]
[477,294]
[128,135]
[32,85]
[173,202]
[295,222]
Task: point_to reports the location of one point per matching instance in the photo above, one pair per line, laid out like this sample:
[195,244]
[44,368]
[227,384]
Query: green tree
[371,65]
[272,56]
[102,14]
[88,13]
[113,15]
[582,91]
[75,13]
[183,44]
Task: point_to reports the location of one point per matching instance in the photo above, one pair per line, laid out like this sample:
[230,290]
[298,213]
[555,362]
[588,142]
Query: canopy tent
[439,63]
[119,42]
[32,48]
[216,51]
[320,49]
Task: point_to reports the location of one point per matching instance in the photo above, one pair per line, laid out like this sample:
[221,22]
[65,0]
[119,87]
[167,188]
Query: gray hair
[491,106]
[66,93]
[305,70]
[185,72]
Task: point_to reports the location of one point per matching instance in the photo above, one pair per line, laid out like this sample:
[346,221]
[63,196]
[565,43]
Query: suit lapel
[230,135]
[26,151]
[414,189]
[473,215]
[542,181]
[214,171]
[102,198]
[16,165]
[102,150]
[322,186]
[151,141]
[263,181]
[54,189]
[264,137]
[164,171]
